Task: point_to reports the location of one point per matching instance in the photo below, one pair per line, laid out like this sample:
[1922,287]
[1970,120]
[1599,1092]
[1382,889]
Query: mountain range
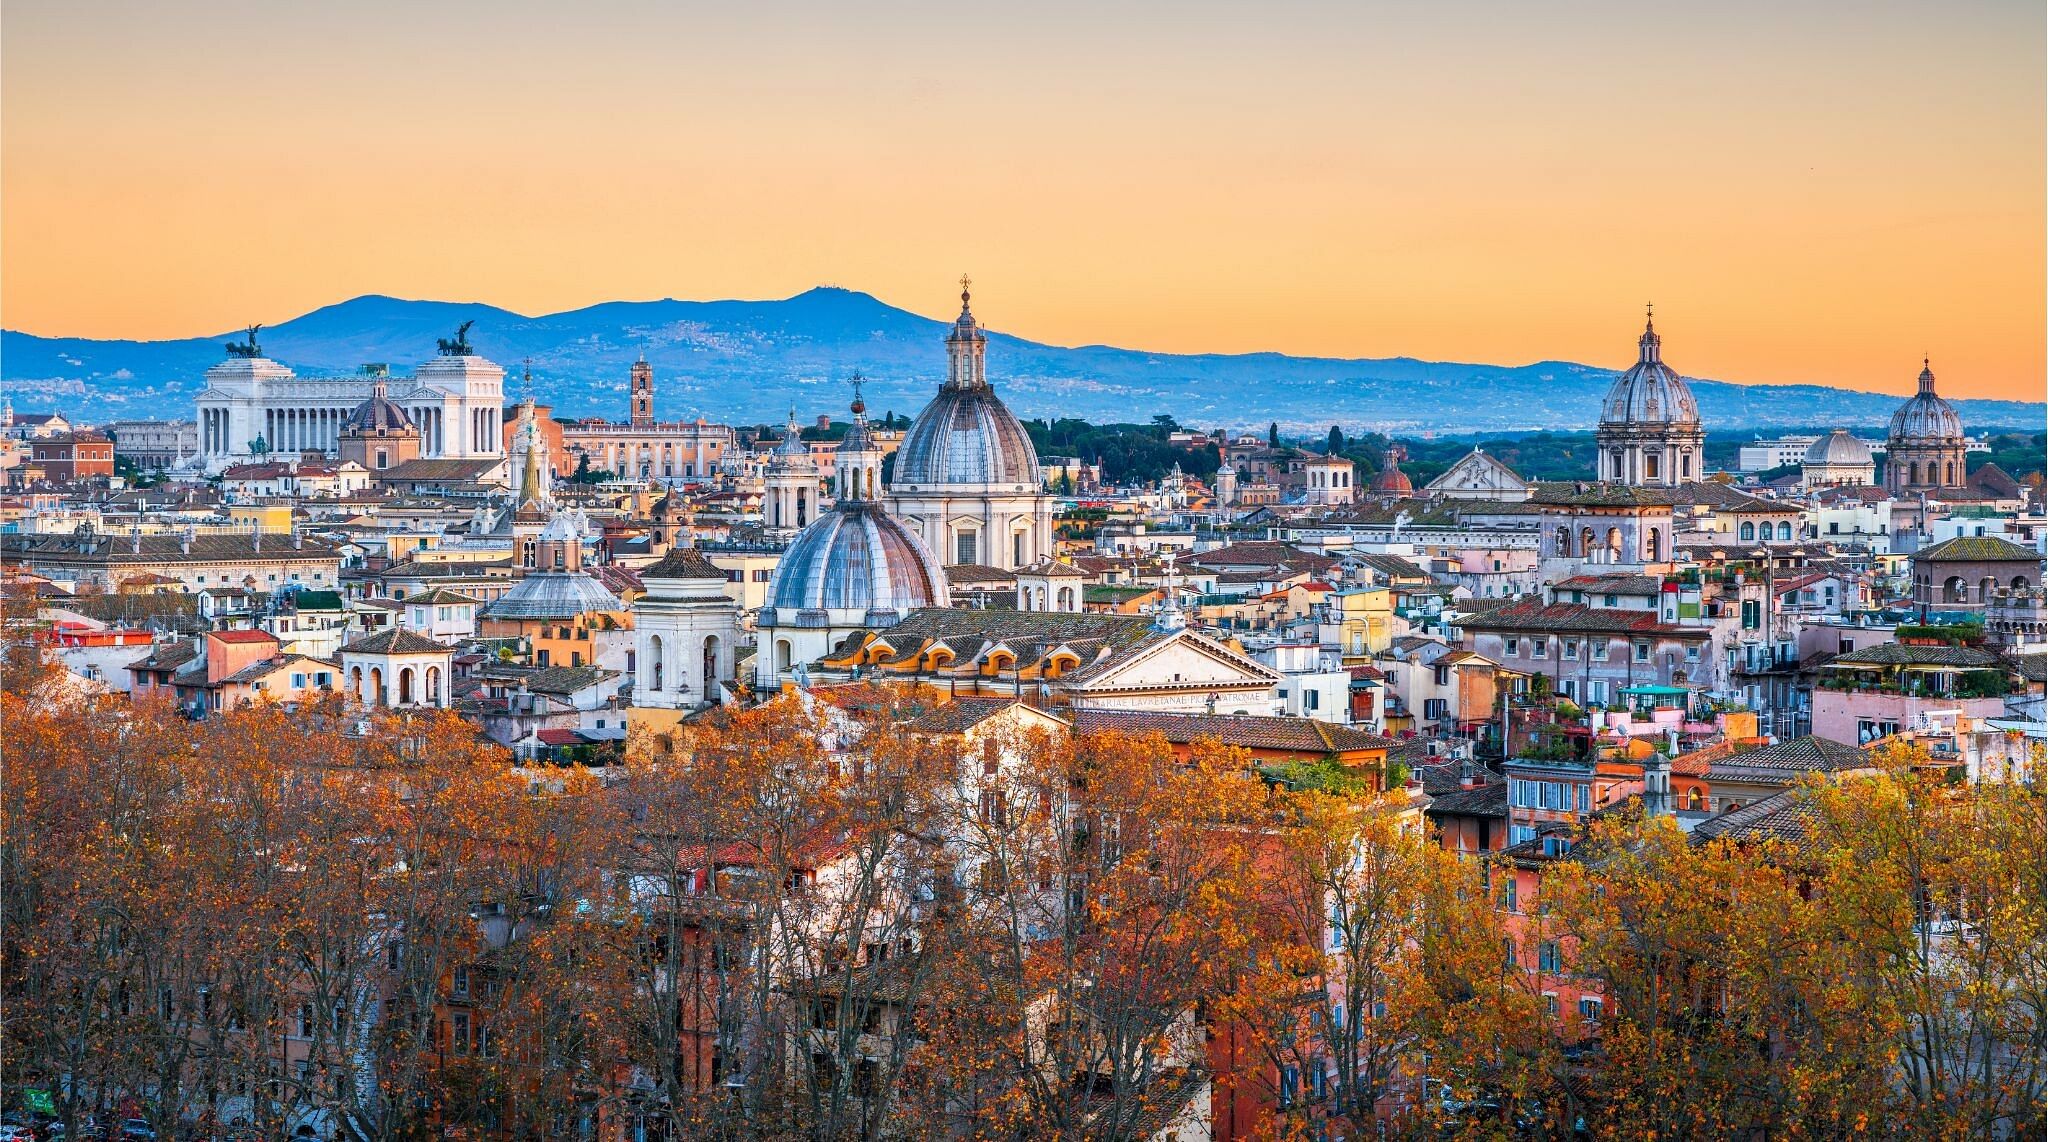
[750,361]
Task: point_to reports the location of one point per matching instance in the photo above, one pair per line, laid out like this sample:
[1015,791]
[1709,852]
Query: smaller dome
[1925,416]
[554,595]
[378,415]
[857,557]
[1838,448]
[1391,481]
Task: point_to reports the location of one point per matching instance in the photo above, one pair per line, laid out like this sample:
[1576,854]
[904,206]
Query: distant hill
[748,361]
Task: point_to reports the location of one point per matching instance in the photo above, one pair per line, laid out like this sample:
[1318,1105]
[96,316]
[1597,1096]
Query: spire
[531,490]
[1650,342]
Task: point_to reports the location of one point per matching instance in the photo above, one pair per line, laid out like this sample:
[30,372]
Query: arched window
[1986,588]
[2021,583]
[355,681]
[1564,542]
[1692,800]
[1951,477]
[1653,548]
[782,654]
[376,686]
[1586,543]
[710,664]
[1620,467]
[1955,590]
[654,663]
[1067,599]
[1748,530]
[1785,530]
[405,686]
[1613,545]
[433,685]
[1913,472]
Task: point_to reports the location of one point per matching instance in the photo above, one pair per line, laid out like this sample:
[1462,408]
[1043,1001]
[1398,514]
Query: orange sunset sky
[1814,192]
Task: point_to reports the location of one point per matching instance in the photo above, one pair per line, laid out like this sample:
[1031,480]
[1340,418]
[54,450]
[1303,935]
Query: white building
[684,631]
[456,399]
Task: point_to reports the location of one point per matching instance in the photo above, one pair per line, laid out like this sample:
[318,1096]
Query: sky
[1813,192]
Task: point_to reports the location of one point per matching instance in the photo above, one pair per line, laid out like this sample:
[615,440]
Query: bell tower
[643,394]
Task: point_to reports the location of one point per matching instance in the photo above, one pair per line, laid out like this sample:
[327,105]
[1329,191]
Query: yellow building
[272,519]
[1359,621]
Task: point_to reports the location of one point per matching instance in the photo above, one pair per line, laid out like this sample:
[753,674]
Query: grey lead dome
[1926,416]
[857,557]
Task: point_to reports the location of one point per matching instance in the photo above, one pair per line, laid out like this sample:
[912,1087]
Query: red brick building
[73,456]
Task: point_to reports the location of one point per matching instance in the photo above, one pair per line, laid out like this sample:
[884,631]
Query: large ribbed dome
[1838,447]
[1926,416]
[1651,392]
[966,436]
[857,557]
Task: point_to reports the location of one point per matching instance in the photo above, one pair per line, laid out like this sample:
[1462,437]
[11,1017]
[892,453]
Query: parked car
[137,1130]
[15,1133]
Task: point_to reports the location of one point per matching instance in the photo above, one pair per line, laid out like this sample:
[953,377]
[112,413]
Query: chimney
[256,538]
[185,540]
[298,539]
[135,540]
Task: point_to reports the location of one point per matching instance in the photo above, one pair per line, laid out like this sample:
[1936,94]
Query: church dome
[378,416]
[554,595]
[1392,482]
[857,557]
[1838,448]
[1651,392]
[966,436]
[1925,416]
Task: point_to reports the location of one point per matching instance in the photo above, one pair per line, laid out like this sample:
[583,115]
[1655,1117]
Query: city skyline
[1818,197]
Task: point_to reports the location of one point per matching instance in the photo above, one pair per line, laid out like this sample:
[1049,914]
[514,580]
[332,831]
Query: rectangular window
[298,681]
[1642,652]
[1519,833]
[1571,649]
[964,548]
[1600,650]
[459,1024]
[1547,959]
[1508,895]
[1596,691]
[1549,1003]
[1513,647]
[1539,648]
[1589,1010]
[1569,688]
